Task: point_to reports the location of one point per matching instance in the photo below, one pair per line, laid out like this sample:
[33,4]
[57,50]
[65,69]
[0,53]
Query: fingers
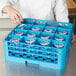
[20,16]
[72,39]
[16,18]
[72,36]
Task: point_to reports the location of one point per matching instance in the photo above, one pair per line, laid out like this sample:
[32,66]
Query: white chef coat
[41,9]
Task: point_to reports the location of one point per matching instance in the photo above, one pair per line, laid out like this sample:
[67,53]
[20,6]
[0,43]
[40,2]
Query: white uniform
[41,9]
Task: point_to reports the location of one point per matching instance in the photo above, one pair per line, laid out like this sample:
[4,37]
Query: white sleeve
[6,2]
[61,11]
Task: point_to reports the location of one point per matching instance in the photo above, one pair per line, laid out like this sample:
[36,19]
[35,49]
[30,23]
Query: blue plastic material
[48,44]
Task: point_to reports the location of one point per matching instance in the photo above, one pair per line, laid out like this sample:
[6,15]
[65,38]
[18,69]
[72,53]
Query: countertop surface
[71,4]
[19,69]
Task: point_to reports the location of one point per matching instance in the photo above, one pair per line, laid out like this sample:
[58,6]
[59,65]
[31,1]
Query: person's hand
[15,16]
[72,38]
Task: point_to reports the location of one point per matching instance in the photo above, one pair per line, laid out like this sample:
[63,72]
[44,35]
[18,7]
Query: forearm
[61,11]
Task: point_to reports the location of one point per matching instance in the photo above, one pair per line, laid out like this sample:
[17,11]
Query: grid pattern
[43,42]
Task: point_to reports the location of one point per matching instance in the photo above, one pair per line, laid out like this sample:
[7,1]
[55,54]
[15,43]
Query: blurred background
[72,11]
[14,69]
[71,8]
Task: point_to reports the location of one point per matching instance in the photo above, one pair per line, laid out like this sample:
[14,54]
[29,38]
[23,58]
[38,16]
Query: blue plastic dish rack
[51,50]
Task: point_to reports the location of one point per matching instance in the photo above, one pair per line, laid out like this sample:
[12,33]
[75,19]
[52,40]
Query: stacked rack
[42,42]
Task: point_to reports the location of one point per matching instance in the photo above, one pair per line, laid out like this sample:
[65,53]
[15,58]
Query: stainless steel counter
[19,69]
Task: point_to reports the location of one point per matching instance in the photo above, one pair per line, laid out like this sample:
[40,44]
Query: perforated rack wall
[47,45]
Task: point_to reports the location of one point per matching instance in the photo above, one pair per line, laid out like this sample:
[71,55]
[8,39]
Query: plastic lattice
[42,42]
